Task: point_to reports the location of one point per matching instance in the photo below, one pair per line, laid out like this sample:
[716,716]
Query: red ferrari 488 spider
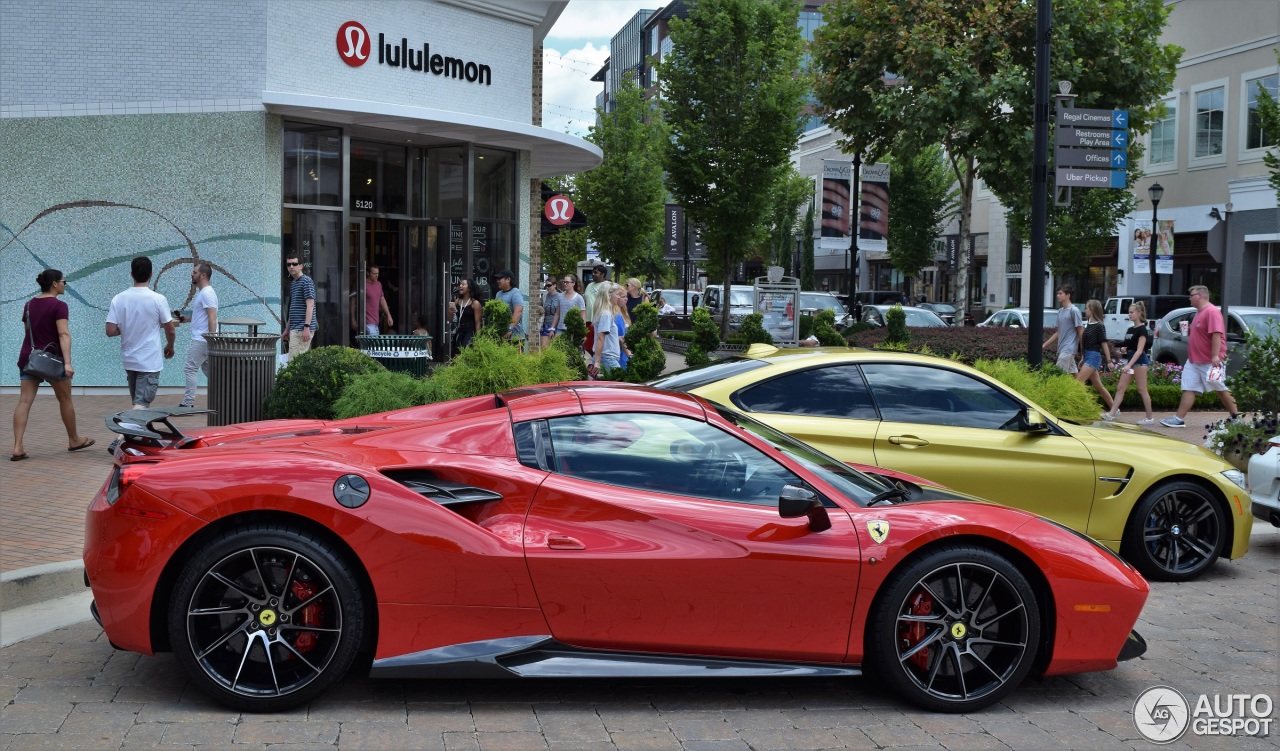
[577,530]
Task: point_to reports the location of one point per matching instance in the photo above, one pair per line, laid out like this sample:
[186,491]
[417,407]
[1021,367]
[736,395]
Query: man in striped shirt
[302,309]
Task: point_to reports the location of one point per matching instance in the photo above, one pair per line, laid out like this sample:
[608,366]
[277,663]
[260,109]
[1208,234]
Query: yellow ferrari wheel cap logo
[879,530]
[957,630]
[267,617]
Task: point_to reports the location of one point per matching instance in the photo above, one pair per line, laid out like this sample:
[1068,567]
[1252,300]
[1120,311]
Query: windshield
[1262,323]
[854,485]
[741,298]
[917,317]
[941,307]
[809,301]
[691,378]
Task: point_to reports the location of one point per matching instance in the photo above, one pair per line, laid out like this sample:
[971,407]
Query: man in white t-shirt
[204,320]
[136,316]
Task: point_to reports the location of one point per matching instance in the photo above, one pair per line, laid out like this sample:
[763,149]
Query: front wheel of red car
[955,630]
[1175,532]
[266,618]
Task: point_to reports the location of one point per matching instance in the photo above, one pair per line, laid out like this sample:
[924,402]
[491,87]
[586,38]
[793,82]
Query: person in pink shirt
[375,303]
[1206,358]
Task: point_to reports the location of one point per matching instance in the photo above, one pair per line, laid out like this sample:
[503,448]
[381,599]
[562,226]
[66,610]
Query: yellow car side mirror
[1034,422]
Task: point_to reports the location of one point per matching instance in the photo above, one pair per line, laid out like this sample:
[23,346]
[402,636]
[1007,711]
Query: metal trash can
[242,371]
[399,352]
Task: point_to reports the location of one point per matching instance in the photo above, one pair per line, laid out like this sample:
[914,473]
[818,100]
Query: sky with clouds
[574,50]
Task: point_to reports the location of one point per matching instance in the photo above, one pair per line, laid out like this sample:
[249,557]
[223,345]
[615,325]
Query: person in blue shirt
[514,298]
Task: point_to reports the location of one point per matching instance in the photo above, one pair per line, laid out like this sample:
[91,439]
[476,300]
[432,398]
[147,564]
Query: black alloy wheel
[1175,532]
[266,618]
[955,630]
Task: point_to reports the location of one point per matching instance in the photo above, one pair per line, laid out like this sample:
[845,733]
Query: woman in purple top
[47,316]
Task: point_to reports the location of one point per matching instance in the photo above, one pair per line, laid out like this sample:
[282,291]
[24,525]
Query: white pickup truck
[1116,311]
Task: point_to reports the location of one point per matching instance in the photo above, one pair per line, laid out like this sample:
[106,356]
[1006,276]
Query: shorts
[548,331]
[1143,362]
[372,329]
[24,377]
[1093,358]
[1195,377]
[142,387]
[296,345]
[1067,362]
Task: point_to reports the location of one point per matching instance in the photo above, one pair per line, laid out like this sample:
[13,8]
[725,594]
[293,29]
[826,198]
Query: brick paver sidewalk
[45,497]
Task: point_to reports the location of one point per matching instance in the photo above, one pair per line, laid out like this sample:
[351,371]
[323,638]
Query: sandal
[17,457]
[87,443]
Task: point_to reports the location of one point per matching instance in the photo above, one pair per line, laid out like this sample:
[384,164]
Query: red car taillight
[123,476]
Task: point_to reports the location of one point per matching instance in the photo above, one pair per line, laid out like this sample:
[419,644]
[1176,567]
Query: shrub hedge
[311,382]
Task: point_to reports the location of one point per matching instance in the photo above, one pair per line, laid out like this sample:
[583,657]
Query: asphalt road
[1215,636]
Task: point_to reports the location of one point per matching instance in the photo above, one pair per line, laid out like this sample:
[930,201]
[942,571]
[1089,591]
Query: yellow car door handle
[909,441]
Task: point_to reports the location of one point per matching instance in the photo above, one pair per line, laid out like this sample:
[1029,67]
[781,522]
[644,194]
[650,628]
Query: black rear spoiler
[151,426]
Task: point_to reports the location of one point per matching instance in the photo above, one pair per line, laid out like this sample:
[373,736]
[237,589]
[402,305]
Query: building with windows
[403,134]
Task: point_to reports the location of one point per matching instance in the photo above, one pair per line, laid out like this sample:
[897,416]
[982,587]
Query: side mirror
[1033,422]
[795,502]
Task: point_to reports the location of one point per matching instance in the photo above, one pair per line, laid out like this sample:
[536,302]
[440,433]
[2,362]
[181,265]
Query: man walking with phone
[1206,367]
[204,320]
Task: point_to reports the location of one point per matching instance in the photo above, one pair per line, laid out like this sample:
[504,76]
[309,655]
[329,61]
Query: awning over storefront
[552,153]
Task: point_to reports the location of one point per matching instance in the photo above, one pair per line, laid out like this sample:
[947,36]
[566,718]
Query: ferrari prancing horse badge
[879,530]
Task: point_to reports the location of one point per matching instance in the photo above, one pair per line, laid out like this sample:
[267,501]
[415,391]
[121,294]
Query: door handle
[908,441]
[564,542]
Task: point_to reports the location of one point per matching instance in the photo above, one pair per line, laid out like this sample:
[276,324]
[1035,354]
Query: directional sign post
[1095,140]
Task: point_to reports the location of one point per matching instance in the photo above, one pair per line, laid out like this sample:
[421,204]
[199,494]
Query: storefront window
[495,177]
[379,178]
[491,245]
[312,165]
[446,183]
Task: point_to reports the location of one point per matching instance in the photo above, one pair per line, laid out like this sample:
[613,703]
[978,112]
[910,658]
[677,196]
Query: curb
[35,584]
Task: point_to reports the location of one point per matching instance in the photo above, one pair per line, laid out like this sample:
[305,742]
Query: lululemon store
[400,134]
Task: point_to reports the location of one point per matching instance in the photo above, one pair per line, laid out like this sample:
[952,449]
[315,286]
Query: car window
[666,454]
[1118,305]
[917,317]
[936,396]
[832,391]
[741,298]
[821,302]
[1175,323]
[691,378]
[1259,323]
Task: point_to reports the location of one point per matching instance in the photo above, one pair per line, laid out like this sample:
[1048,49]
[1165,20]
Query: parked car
[878,296]
[741,302]
[1116,311]
[945,311]
[678,299]
[1264,482]
[1170,508]
[579,530]
[1018,318]
[812,302]
[1170,345]
[875,315]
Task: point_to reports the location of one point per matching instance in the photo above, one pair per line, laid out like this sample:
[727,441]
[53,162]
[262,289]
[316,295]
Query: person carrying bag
[45,320]
[42,363]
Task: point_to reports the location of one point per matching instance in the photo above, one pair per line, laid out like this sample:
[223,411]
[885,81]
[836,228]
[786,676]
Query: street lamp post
[1156,192]
[857,220]
[798,256]
[1225,216]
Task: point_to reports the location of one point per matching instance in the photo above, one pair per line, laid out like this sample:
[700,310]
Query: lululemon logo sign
[353,44]
[559,210]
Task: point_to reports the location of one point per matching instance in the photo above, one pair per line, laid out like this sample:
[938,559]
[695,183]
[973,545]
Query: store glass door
[426,283]
[356,254]
[313,236]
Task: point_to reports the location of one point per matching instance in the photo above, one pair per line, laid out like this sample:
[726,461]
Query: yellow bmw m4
[1170,508]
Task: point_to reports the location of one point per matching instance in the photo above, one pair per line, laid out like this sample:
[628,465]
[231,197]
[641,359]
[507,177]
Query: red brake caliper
[308,616]
[913,633]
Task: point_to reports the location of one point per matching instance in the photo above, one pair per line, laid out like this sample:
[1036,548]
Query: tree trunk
[965,265]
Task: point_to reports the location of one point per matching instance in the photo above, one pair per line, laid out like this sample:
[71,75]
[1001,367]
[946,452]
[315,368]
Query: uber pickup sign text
[1162,715]
[353,44]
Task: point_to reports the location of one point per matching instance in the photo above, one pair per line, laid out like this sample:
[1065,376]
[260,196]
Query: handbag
[42,363]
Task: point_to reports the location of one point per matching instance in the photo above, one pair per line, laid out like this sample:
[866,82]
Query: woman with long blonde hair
[1094,344]
[606,353]
[1137,341]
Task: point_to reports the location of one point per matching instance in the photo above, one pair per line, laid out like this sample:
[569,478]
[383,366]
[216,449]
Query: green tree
[732,98]
[967,83]
[786,197]
[623,198]
[805,272]
[922,199]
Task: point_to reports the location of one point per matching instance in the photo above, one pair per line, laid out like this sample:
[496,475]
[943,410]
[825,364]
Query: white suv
[1264,483]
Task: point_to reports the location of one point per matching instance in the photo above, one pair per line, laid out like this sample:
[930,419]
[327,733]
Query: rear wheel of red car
[1175,532]
[266,618]
[955,630]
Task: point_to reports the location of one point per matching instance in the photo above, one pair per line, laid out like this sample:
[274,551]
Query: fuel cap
[351,491]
